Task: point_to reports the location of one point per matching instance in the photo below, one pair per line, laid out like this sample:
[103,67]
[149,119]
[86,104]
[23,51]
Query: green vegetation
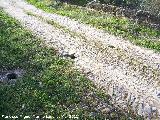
[124,3]
[138,34]
[153,6]
[50,85]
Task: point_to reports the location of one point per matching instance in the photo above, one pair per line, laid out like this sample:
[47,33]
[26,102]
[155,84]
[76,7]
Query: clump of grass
[50,86]
[137,33]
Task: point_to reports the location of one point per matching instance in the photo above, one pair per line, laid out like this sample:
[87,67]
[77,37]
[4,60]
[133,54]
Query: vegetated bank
[138,34]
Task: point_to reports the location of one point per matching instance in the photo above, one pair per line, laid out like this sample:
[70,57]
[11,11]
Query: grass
[137,33]
[63,92]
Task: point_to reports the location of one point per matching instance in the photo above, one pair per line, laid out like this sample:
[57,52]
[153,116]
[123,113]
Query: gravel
[129,73]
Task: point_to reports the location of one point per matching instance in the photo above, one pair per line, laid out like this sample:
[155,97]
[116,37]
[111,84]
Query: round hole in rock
[12,76]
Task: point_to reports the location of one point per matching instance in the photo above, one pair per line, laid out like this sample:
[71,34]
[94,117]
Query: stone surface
[10,76]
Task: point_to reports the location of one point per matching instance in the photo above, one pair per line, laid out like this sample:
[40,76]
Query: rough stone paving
[130,74]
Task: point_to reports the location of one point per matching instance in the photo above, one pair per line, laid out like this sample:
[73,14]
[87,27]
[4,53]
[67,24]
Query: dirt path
[129,73]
